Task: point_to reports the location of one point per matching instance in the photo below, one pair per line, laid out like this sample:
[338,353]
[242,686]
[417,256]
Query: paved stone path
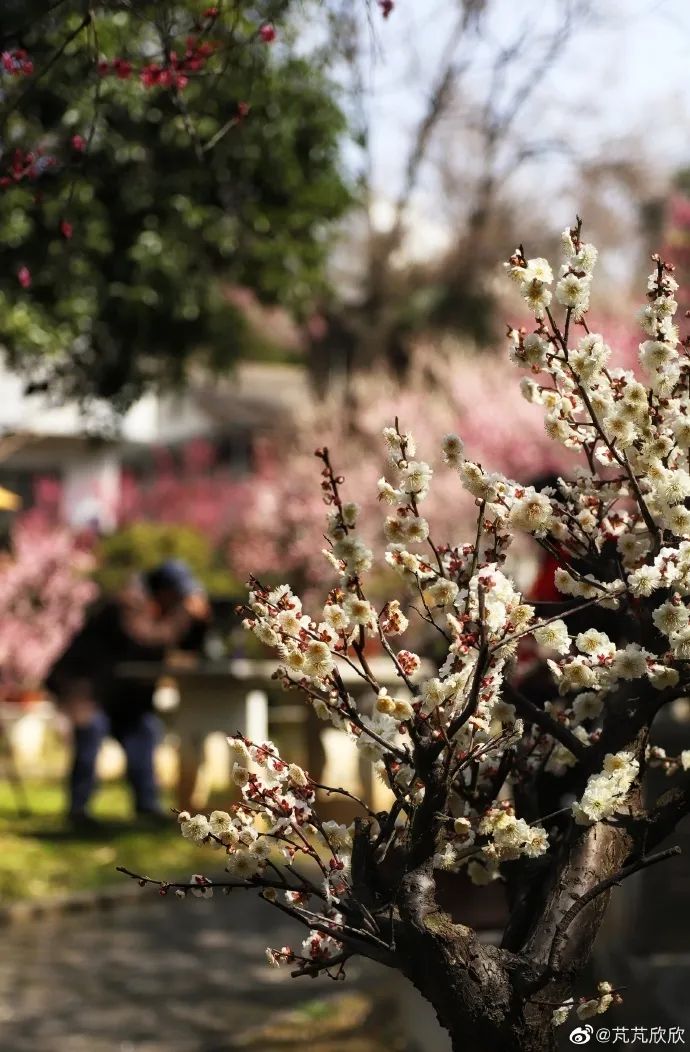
[171,976]
[162,975]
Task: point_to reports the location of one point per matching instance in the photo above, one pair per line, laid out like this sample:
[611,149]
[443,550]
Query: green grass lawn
[40,856]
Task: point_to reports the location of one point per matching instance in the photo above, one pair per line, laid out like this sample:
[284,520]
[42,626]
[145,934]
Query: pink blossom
[45,589]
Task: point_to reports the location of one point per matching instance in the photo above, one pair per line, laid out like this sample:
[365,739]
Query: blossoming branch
[493,777]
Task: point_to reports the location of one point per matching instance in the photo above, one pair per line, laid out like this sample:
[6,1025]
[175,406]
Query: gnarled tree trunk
[491,999]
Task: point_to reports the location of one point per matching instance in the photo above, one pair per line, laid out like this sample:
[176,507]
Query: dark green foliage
[161,224]
[144,545]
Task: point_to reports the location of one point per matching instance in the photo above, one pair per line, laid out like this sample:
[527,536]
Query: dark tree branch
[561,933]
[671,808]
[548,724]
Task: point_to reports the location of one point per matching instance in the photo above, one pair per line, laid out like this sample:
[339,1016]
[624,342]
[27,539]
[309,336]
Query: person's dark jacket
[111,636]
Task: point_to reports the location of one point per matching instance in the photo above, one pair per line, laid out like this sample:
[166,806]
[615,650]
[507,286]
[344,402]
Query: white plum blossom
[201,886]
[220,823]
[511,836]
[595,644]
[399,445]
[573,291]
[336,617]
[196,828]
[596,1005]
[605,792]
[392,620]
[387,493]
[587,706]
[531,512]
[415,478]
[644,580]
[560,1014]
[359,611]
[434,693]
[453,450]
[630,662]
[441,593]
[671,616]
[553,635]
[533,276]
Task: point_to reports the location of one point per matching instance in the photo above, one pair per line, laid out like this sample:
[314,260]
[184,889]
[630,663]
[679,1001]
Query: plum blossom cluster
[23,165]
[480,615]
[463,593]
[497,837]
[173,73]
[477,756]
[605,997]
[572,291]
[272,828]
[17,62]
[626,507]
[606,791]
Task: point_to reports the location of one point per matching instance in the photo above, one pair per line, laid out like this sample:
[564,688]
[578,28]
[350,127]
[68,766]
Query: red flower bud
[24,277]
[123,69]
[66,229]
[78,143]
[151,75]
[267,33]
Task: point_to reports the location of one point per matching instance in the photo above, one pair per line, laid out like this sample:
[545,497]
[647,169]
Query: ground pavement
[166,975]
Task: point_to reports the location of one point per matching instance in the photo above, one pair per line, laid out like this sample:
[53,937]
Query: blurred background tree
[468,140]
[144,545]
[156,157]
[462,95]
[247,144]
[45,590]
[668,224]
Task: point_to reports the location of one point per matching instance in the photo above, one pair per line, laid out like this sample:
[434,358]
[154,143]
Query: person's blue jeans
[138,737]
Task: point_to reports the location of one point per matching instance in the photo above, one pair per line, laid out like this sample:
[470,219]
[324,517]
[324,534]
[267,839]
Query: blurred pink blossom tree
[271,519]
[676,247]
[45,590]
[198,492]
[282,520]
